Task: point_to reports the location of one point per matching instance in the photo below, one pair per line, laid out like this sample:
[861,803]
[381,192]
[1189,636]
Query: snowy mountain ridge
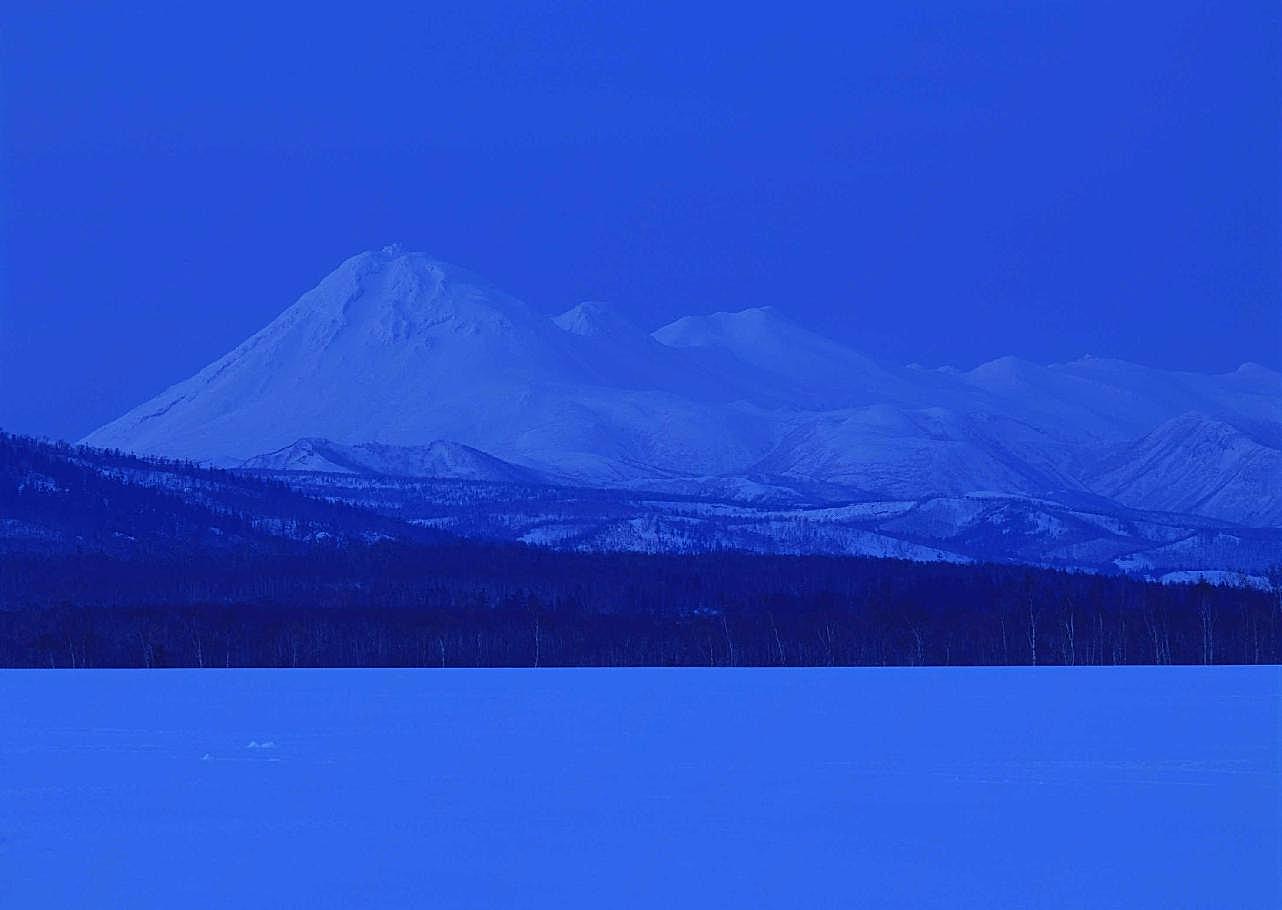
[395,352]
[439,459]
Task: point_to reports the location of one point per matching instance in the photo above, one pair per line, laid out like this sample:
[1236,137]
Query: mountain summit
[593,319]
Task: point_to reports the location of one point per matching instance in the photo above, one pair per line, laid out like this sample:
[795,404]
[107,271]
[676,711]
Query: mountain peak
[392,296]
[1256,371]
[594,319]
[721,328]
[1007,367]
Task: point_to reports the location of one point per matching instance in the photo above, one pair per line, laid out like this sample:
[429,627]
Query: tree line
[470,605]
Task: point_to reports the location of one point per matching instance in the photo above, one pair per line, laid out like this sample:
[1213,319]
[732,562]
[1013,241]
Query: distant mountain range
[400,366]
[60,501]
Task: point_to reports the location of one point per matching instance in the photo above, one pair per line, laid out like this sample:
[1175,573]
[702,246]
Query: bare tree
[1032,630]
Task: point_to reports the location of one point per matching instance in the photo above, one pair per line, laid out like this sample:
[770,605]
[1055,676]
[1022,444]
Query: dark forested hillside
[56,498]
[190,567]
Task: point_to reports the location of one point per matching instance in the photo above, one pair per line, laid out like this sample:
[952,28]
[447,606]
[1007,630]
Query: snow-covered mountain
[394,352]
[1197,465]
[815,372]
[882,450]
[401,349]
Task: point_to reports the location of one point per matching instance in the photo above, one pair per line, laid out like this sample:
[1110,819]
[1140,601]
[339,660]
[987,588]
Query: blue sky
[931,182]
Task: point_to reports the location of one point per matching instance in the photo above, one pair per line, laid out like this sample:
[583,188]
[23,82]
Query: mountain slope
[819,373]
[887,451]
[59,498]
[1197,465]
[440,460]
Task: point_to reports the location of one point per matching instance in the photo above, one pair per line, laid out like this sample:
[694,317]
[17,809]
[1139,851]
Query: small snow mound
[1217,578]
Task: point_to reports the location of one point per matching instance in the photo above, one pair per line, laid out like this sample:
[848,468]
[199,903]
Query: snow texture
[949,788]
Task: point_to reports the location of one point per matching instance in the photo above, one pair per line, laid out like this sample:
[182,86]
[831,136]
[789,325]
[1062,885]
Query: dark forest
[466,605]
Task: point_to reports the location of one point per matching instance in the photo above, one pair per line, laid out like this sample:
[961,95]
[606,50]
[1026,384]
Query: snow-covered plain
[1135,788]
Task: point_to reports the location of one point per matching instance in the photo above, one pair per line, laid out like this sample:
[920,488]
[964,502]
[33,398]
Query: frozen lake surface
[1134,788]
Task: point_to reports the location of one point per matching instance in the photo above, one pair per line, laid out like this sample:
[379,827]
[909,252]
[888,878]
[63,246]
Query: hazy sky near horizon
[931,182]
